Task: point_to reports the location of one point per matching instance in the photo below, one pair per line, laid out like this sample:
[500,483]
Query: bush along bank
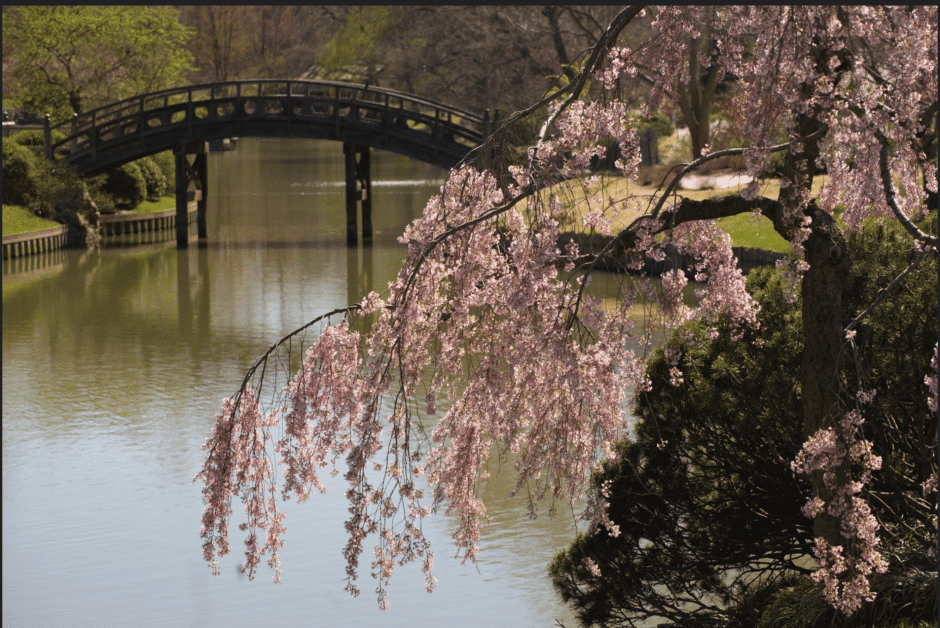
[54,191]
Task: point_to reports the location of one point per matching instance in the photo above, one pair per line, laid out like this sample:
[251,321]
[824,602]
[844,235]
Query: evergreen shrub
[154,178]
[35,137]
[167,164]
[126,185]
[19,173]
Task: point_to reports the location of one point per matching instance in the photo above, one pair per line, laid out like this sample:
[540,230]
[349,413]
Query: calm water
[114,364]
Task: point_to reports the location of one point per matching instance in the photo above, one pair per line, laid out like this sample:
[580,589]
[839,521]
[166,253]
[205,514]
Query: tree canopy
[704,500]
[490,320]
[63,60]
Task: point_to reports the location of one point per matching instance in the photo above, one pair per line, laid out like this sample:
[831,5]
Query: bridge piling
[358,187]
[184,118]
[364,174]
[197,174]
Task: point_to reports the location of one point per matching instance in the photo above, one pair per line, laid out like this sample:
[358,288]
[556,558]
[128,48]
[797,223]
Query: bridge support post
[187,173]
[364,174]
[47,137]
[358,187]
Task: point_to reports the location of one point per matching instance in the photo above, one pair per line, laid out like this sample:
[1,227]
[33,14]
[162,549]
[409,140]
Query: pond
[114,364]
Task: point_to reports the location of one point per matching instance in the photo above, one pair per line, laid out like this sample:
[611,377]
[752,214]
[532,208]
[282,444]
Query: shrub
[96,187]
[662,124]
[58,190]
[154,178]
[126,185]
[707,504]
[167,163]
[35,137]
[19,173]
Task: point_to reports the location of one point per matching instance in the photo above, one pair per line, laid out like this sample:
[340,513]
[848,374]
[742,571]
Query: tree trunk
[827,256]
[826,252]
[551,13]
[696,99]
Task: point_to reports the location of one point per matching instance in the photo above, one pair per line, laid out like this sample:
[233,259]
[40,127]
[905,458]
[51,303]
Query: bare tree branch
[891,194]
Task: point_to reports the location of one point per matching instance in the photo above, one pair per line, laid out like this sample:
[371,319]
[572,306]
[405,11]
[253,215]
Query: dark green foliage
[895,345]
[154,178]
[706,487]
[662,123]
[167,164]
[126,185]
[905,597]
[45,188]
[19,173]
[36,137]
[708,509]
[59,190]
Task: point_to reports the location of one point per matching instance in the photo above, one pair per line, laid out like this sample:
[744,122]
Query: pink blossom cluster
[619,64]
[715,265]
[521,362]
[833,452]
[490,320]
[580,127]
[931,382]
[237,465]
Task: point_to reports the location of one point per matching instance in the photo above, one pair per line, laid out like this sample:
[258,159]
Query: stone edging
[120,224]
[33,242]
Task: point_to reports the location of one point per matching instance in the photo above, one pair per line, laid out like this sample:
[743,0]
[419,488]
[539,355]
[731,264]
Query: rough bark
[827,256]
[826,253]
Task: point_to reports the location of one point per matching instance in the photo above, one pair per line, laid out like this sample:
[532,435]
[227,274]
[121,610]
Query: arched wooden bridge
[184,119]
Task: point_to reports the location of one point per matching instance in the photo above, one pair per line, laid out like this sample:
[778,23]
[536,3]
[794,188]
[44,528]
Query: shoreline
[62,236]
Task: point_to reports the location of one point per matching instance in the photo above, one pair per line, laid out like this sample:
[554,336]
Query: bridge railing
[133,118]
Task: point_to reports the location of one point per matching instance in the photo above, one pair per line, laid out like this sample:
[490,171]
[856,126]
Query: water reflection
[114,364]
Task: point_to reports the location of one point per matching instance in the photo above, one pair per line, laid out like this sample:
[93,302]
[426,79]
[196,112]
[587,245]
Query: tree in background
[243,42]
[489,319]
[495,57]
[704,500]
[219,47]
[355,52]
[65,60]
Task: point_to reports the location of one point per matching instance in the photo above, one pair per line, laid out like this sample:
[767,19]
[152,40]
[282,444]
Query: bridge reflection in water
[185,119]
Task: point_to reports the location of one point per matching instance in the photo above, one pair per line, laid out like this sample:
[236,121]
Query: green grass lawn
[17,219]
[743,229]
[148,207]
[758,234]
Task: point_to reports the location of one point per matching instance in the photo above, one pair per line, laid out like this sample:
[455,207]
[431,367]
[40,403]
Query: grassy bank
[148,207]
[17,219]
[745,230]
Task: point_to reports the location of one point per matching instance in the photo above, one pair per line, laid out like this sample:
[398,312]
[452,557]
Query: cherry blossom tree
[489,317]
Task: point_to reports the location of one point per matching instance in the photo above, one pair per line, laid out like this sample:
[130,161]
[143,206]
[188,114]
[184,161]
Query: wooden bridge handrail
[134,113]
[122,128]
[138,103]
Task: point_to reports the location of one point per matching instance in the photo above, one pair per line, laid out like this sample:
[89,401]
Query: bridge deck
[372,116]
